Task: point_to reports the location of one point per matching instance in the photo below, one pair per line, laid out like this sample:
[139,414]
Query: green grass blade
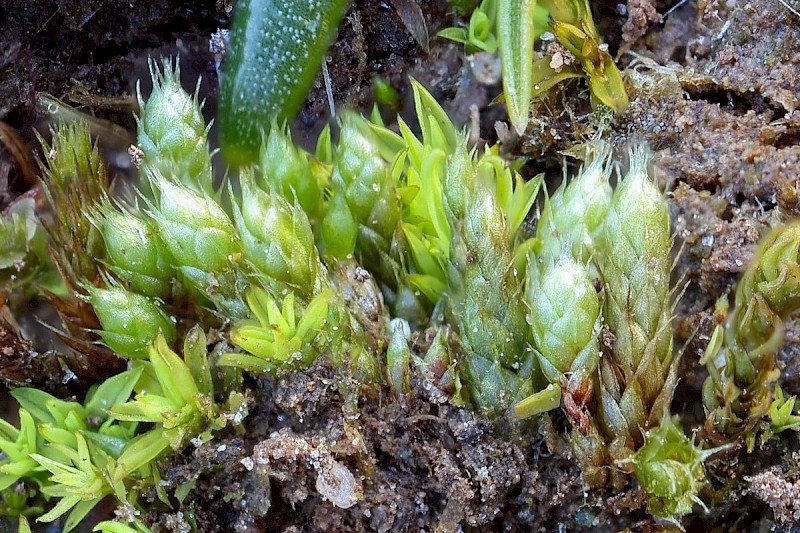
[515,32]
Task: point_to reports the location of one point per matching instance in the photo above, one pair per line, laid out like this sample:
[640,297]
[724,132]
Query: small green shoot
[57,450]
[781,413]
[479,35]
[180,398]
[670,469]
[78,483]
[574,29]
[275,338]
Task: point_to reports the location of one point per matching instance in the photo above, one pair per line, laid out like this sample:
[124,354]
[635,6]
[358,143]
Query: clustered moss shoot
[340,254]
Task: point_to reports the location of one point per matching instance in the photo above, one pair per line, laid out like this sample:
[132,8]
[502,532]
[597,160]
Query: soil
[715,92]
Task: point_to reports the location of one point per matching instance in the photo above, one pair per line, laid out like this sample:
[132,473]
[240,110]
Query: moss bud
[286,167]
[575,214]
[564,312]
[134,251]
[172,132]
[130,321]
[277,238]
[339,228]
[195,228]
[670,470]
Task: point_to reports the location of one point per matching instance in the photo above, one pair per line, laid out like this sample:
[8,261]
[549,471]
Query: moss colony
[396,331]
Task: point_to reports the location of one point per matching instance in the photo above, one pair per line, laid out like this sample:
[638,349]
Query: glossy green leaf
[781,412]
[109,444]
[141,451]
[175,377]
[195,353]
[544,77]
[146,408]
[35,402]
[113,526]
[515,32]
[539,402]
[324,148]
[246,361]
[112,391]
[64,504]
[607,85]
[458,35]
[437,128]
[79,512]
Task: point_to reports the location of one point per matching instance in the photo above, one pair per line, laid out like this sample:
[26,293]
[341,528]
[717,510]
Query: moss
[712,176]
